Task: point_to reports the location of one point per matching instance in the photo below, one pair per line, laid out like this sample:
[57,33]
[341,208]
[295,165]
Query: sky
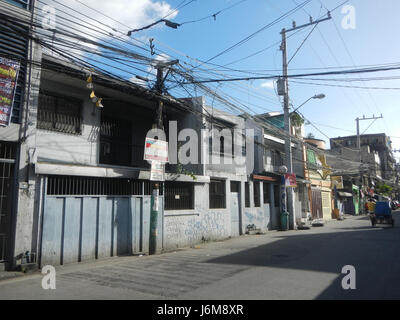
[370,41]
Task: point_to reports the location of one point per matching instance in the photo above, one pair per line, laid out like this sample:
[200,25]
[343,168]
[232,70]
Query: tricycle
[382,214]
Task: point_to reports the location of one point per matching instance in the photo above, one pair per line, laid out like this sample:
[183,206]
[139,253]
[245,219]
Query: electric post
[159,124]
[289,194]
[359,150]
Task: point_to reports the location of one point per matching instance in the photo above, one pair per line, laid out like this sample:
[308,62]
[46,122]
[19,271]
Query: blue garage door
[79,228]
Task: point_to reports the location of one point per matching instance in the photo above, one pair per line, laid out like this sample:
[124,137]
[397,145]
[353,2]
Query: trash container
[284,220]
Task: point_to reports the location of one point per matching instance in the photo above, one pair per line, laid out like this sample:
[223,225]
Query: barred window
[217,194]
[179,195]
[20,3]
[256,186]
[246,195]
[58,113]
[266,192]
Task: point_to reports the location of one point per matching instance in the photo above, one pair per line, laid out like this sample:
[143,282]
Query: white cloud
[123,14]
[267,84]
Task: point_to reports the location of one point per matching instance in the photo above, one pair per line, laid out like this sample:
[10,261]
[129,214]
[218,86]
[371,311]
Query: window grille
[266,192]
[179,195]
[246,195]
[24,4]
[78,185]
[217,194]
[256,187]
[56,113]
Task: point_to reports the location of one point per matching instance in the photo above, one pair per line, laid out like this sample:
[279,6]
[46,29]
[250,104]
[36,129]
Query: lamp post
[288,193]
[317,96]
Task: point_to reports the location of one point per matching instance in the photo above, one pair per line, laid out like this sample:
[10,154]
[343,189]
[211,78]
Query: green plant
[181,170]
[384,189]
[296,120]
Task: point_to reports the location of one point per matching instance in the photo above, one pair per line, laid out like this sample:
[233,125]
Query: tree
[384,189]
[310,136]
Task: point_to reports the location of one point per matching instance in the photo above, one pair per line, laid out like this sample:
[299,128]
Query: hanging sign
[156,150]
[290,180]
[157,171]
[9,70]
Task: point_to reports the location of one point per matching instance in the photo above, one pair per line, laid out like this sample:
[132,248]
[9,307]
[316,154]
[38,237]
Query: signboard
[157,171]
[337,181]
[290,180]
[156,150]
[9,70]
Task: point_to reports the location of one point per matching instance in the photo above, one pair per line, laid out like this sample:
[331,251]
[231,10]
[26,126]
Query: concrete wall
[187,227]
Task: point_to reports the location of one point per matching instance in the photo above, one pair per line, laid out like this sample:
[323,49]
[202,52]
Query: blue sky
[371,42]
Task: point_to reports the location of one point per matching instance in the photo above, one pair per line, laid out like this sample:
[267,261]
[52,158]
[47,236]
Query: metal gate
[316,205]
[7,163]
[84,227]
[235,209]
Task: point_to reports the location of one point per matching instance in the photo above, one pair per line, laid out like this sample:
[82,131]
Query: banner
[9,70]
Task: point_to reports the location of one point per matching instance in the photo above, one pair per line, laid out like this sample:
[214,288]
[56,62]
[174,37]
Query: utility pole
[359,150]
[158,124]
[289,194]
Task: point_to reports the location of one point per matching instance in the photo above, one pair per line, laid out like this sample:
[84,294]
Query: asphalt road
[303,264]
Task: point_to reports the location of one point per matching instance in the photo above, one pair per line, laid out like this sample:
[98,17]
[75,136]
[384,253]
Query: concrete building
[319,174]
[376,153]
[274,156]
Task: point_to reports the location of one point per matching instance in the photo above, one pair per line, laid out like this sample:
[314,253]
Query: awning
[303,181]
[344,194]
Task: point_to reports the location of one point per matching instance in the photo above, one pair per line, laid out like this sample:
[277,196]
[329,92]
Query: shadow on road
[374,252]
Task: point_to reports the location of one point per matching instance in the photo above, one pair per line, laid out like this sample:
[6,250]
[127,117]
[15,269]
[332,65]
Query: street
[302,264]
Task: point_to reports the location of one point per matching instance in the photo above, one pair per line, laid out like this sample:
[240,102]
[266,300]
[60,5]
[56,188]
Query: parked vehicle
[382,214]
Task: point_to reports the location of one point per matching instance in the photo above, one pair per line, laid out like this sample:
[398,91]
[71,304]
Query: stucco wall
[187,227]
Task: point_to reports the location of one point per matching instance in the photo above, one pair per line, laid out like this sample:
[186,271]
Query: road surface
[302,264]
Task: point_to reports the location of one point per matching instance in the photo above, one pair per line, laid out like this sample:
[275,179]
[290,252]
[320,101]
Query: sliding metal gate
[7,163]
[82,225]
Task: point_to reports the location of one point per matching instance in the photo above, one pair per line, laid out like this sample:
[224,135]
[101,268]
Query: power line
[257,32]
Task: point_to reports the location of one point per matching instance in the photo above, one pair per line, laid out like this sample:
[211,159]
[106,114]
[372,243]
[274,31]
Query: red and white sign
[290,180]
[156,150]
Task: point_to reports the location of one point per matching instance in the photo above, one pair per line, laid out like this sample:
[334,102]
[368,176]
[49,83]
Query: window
[277,195]
[256,187]
[246,195]
[58,113]
[217,194]
[116,142]
[266,192]
[79,185]
[179,195]
[311,160]
[235,186]
[20,3]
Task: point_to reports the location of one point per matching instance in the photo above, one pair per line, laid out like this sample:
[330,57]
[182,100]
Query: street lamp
[168,23]
[317,96]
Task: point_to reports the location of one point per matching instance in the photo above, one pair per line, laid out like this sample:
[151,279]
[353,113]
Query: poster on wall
[290,180]
[9,70]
